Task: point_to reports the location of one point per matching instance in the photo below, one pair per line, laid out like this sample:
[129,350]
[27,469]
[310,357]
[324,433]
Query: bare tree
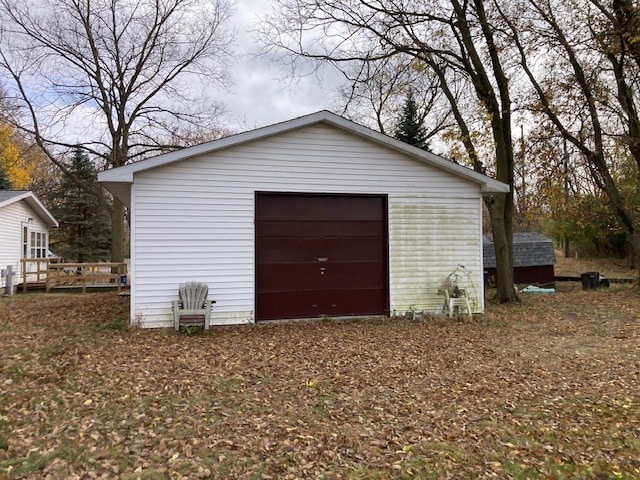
[379,89]
[458,42]
[124,75]
[588,85]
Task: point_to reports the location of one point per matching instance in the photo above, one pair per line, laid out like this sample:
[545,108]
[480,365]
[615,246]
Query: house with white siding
[24,231]
[316,216]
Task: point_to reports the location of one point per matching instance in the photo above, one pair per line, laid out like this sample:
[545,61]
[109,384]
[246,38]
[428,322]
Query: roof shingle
[8,194]
[530,249]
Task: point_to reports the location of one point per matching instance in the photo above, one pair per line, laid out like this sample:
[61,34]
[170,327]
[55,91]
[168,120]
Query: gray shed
[533,258]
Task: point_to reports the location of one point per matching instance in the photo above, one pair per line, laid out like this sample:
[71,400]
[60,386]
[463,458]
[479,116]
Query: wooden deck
[49,274]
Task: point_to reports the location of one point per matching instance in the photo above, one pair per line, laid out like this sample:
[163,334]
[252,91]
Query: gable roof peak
[125,174]
[7,197]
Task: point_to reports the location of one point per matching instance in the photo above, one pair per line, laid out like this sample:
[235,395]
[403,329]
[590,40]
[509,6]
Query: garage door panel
[310,249]
[319,207]
[318,303]
[353,276]
[298,228]
[320,255]
[282,276]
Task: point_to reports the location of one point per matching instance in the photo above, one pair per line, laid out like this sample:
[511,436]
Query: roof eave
[42,211]
[494,186]
[117,175]
[124,195]
[35,205]
[126,173]
[487,184]
[14,199]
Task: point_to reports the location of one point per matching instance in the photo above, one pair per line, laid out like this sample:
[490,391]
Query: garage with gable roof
[316,216]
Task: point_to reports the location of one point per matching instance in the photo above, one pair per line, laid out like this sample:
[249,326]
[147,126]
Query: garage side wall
[194,220]
[431,238]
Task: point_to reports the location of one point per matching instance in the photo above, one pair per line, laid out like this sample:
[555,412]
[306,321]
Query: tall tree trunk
[502,228]
[501,210]
[634,240]
[117,231]
[118,157]
[496,99]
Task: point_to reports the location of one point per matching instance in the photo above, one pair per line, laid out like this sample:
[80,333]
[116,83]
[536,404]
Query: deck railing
[54,274]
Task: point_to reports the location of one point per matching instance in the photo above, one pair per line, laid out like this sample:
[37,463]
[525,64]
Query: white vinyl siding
[429,239]
[13,218]
[194,219]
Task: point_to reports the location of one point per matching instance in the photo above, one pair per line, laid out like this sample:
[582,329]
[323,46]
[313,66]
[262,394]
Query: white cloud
[261,93]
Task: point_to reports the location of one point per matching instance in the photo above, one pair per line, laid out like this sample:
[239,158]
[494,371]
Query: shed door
[320,255]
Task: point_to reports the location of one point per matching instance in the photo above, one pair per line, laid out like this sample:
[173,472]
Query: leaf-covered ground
[612,268]
[547,389]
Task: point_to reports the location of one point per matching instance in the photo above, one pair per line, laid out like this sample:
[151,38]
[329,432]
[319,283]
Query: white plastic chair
[454,297]
[193,307]
[459,300]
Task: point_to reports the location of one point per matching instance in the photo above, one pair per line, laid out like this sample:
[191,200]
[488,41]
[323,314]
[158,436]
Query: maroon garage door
[320,255]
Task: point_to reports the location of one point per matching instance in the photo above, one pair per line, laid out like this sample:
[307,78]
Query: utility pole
[523,171]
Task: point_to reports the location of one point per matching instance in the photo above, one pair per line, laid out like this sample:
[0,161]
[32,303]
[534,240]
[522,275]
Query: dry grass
[547,389]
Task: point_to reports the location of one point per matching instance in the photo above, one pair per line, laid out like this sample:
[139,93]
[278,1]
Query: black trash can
[590,280]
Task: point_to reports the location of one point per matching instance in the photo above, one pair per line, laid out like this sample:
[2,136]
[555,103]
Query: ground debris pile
[546,389]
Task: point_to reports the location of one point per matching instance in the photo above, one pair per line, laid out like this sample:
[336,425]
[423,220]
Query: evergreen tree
[410,129]
[85,225]
[5,183]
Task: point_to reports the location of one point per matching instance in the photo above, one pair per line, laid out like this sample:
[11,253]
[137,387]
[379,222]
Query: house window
[25,242]
[39,245]
[36,246]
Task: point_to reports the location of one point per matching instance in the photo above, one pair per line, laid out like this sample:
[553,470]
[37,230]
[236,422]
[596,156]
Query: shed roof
[116,178]
[7,197]
[530,249]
